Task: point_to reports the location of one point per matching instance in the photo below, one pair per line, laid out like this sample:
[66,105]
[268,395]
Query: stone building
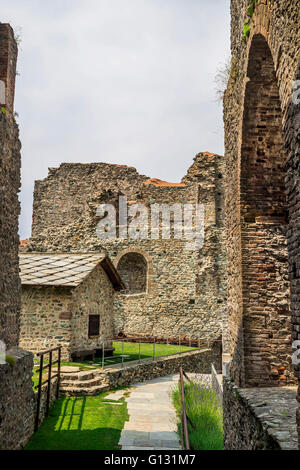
[67,300]
[171,289]
[262,117]
[16,395]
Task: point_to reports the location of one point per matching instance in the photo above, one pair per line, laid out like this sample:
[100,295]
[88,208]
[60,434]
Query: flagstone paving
[152,424]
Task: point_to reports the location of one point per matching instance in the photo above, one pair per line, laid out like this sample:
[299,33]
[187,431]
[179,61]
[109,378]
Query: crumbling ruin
[171,290]
[16,394]
[262,132]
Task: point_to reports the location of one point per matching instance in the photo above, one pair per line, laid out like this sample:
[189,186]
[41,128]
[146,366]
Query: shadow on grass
[83,423]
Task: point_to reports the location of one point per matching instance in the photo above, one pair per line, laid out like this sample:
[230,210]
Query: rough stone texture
[184,289]
[53,316]
[10,161]
[17,403]
[260,133]
[16,395]
[42,416]
[259,418]
[192,361]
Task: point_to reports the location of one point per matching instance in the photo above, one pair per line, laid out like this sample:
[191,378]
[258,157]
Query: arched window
[133,271]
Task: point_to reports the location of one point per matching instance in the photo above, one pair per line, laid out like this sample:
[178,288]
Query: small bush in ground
[204,411]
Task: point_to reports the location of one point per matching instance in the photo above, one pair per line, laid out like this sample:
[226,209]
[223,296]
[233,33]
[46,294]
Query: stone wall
[10,162]
[192,361]
[44,320]
[95,295]
[17,402]
[52,316]
[259,133]
[16,395]
[185,288]
[259,418]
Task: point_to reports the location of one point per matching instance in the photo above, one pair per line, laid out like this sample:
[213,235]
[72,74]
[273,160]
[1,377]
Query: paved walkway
[152,421]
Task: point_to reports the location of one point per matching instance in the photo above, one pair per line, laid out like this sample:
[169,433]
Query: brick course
[261,154]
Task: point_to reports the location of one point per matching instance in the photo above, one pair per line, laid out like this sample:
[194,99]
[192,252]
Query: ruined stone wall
[52,316]
[257,105]
[185,288]
[10,161]
[16,395]
[17,404]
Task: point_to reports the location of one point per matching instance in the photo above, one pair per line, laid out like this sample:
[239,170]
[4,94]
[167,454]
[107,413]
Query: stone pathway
[152,421]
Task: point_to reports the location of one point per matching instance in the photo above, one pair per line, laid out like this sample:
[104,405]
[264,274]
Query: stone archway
[264,225]
[133,269]
[260,167]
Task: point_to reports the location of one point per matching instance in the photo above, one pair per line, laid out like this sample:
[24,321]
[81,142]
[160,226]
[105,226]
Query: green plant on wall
[3,110]
[11,360]
[250,13]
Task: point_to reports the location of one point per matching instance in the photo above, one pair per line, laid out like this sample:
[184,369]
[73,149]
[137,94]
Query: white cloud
[121,81]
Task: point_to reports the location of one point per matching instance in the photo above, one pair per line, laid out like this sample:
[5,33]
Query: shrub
[204,411]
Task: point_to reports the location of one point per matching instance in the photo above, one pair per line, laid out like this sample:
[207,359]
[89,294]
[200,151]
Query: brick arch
[274,32]
[148,265]
[264,37]
[263,213]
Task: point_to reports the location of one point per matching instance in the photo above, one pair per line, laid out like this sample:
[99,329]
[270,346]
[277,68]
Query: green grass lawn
[83,423]
[203,409]
[147,351]
[130,349]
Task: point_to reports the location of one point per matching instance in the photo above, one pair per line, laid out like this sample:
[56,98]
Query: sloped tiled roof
[63,269]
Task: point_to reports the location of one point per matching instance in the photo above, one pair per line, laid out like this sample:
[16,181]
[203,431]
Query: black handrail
[47,381]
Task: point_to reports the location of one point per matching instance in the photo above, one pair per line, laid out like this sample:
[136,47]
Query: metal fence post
[154,349]
[103,346]
[37,418]
[49,383]
[167,345]
[139,349]
[58,372]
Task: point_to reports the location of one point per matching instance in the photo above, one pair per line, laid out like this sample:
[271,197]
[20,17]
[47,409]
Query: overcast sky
[120,81]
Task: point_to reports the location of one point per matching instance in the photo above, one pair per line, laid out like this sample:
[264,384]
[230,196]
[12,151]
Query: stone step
[80,391]
[82,376]
[81,383]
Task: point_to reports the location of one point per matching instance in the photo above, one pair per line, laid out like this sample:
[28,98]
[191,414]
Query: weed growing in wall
[250,13]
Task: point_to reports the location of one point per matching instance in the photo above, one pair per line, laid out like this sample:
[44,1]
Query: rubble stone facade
[16,395]
[170,290]
[57,315]
[10,162]
[262,116]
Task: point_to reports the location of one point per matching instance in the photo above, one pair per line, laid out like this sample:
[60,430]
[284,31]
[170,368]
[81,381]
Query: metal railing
[180,341]
[48,380]
[185,442]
